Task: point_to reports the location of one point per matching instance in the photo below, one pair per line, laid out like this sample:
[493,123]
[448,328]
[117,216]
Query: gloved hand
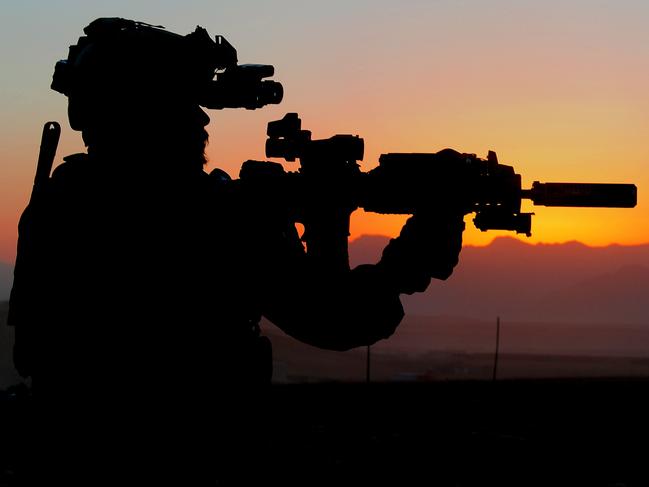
[428,247]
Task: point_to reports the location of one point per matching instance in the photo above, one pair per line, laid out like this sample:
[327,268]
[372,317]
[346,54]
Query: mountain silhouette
[569,282]
[559,299]
[619,296]
[542,282]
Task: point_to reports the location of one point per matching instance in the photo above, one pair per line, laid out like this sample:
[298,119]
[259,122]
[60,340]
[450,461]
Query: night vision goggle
[204,67]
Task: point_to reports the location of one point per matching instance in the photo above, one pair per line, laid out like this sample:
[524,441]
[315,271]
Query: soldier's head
[136,87]
[133,87]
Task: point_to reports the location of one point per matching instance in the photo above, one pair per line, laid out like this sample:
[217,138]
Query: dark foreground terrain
[545,433]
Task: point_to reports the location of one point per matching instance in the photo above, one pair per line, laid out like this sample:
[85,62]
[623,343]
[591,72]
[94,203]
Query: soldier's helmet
[123,63]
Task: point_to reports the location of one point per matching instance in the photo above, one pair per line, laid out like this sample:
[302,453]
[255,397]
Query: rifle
[329,185]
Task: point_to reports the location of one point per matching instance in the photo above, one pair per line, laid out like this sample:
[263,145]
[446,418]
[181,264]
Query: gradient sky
[559,89]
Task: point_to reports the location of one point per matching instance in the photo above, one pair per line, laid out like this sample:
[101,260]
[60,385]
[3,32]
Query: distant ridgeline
[555,283]
[550,283]
[556,290]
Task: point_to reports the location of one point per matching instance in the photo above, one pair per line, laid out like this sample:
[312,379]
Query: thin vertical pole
[497,348]
[367,367]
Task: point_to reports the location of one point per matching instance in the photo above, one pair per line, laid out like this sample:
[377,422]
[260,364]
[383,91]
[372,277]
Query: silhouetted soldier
[140,279]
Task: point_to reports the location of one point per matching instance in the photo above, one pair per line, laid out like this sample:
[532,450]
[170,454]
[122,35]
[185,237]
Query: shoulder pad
[72,166]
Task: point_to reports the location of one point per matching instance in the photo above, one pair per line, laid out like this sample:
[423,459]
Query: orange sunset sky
[558,89]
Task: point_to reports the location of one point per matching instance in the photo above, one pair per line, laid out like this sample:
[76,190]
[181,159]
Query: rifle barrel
[601,195]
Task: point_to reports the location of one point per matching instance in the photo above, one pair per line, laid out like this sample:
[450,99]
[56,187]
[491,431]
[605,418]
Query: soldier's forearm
[337,311]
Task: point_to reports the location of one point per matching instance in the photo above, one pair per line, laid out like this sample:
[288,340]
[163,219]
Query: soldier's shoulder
[73,168]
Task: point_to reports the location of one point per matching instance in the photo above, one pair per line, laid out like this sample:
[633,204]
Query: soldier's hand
[428,247]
